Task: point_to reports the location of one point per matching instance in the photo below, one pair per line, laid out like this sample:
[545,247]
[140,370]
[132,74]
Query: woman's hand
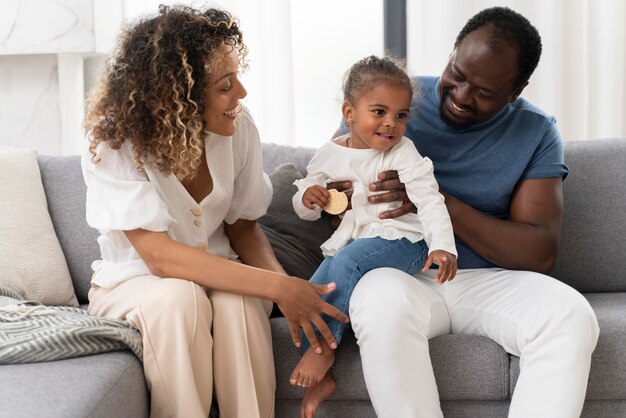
[394,192]
[302,306]
[446,263]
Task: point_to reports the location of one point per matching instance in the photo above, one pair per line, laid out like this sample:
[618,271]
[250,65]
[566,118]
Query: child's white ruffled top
[334,162]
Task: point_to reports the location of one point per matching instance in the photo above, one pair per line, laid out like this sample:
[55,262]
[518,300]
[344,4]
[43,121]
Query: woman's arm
[298,299]
[252,246]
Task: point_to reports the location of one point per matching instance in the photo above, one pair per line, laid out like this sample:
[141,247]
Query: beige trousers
[195,342]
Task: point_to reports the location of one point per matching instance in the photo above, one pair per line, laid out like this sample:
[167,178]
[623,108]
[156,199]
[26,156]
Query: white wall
[43,46]
[30,114]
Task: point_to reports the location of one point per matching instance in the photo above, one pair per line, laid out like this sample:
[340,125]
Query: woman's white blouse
[120,198]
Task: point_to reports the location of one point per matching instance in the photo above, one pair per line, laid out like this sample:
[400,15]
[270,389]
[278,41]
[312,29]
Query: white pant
[547,323]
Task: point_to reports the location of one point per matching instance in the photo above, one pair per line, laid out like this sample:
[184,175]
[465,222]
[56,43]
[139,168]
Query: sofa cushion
[295,242]
[65,189]
[104,385]
[607,379]
[32,263]
[275,155]
[591,254]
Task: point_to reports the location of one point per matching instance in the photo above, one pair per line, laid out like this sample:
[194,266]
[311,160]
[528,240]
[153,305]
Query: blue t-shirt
[481,165]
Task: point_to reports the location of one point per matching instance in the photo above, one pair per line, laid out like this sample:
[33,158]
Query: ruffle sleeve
[315,176]
[119,197]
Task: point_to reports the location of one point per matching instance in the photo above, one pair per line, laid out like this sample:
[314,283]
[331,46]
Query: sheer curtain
[581,78]
[266,26]
[298,52]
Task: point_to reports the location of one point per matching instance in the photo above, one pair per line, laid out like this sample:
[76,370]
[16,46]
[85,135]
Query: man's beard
[452,123]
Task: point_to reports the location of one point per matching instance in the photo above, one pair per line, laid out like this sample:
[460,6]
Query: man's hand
[341,186]
[394,192]
[446,263]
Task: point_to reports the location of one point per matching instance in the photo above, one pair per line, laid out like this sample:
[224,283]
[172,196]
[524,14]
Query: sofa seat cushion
[466,367]
[607,379]
[104,385]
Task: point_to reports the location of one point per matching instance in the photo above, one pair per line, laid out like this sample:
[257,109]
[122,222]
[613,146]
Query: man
[499,162]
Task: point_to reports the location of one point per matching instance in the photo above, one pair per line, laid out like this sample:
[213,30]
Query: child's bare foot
[312,366]
[315,395]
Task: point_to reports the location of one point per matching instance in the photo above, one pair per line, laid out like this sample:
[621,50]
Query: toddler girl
[377,100]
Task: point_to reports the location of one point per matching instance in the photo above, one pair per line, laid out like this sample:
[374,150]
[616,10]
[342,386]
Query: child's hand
[446,263]
[316,195]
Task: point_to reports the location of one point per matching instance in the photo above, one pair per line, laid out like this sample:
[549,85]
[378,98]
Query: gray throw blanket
[32,332]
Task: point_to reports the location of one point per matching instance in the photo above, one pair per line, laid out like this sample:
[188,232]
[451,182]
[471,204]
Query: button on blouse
[121,198]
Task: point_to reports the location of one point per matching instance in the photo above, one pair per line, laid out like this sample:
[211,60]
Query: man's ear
[517,92]
[348,112]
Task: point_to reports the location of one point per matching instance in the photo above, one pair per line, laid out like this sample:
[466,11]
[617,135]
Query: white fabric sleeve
[302,211]
[418,177]
[252,190]
[315,176]
[119,197]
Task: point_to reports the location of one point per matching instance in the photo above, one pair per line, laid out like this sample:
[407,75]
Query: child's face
[378,118]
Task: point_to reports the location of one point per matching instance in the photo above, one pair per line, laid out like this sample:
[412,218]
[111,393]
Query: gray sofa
[474,375]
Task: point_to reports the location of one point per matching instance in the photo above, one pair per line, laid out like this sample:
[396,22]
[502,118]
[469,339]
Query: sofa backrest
[65,188]
[274,155]
[592,254]
[593,245]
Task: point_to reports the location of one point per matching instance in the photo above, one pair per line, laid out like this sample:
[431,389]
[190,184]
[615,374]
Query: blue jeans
[354,260]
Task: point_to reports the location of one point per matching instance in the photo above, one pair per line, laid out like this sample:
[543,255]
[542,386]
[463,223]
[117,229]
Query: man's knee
[582,322]
[572,316]
[384,297]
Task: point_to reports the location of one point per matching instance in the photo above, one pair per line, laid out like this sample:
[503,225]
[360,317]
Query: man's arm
[529,240]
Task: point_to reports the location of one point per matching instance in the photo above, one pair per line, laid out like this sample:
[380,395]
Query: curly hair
[514,29]
[363,76]
[152,91]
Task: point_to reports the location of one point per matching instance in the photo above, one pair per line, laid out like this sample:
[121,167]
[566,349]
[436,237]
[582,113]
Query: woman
[174,185]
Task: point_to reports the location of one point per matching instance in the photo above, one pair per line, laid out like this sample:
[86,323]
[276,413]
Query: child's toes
[293,380]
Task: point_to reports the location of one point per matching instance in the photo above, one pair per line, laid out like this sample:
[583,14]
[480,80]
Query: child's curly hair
[366,73]
[153,88]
